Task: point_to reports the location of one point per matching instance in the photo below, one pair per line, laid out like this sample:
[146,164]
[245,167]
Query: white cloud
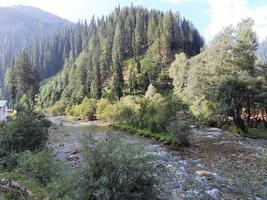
[224,13]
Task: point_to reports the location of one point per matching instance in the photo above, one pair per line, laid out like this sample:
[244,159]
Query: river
[183,178]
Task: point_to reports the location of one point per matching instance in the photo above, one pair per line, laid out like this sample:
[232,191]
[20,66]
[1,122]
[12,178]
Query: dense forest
[23,27]
[134,50]
[134,73]
[132,46]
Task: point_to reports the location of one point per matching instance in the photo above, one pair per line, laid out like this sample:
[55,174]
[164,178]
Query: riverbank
[214,166]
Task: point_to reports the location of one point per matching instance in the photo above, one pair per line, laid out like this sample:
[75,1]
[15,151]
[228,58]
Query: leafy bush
[40,166]
[153,114]
[119,111]
[114,170]
[25,132]
[59,107]
[85,110]
[234,129]
[180,128]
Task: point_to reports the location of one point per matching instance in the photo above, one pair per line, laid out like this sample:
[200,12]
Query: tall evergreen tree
[118,80]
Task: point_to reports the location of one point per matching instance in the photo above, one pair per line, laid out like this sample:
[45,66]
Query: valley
[138,103]
[201,171]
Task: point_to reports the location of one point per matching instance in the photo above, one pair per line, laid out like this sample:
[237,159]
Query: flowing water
[182,178]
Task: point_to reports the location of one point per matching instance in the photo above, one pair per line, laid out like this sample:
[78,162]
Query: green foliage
[256,133]
[85,110]
[180,128]
[114,170]
[25,132]
[153,114]
[59,107]
[232,99]
[101,107]
[234,129]
[24,105]
[24,180]
[116,112]
[178,72]
[151,65]
[148,38]
[40,166]
[201,81]
[164,137]
[22,78]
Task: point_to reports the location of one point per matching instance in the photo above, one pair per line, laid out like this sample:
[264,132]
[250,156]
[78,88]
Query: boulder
[203,173]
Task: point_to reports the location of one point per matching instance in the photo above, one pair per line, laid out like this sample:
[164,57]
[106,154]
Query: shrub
[114,170]
[234,129]
[40,166]
[25,132]
[119,111]
[59,107]
[180,128]
[153,114]
[85,110]
[101,106]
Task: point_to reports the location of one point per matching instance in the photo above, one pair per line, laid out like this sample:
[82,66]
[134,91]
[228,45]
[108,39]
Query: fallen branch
[14,187]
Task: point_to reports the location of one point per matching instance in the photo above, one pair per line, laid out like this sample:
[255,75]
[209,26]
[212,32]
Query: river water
[182,178]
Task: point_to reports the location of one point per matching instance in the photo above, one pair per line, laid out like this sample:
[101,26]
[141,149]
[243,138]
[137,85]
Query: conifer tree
[118,81]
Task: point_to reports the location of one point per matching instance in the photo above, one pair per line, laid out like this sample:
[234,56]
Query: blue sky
[209,16]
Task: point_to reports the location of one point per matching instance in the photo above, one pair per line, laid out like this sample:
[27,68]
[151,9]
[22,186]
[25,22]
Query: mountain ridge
[21,27]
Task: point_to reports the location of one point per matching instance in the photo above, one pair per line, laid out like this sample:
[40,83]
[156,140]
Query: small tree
[114,170]
[232,98]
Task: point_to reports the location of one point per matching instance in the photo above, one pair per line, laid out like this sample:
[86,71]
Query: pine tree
[118,81]
[11,84]
[166,38]
[26,77]
[139,34]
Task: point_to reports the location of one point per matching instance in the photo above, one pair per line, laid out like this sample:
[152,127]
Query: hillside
[20,26]
[132,46]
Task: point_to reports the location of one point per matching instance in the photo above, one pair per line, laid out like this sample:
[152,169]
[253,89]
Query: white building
[3,111]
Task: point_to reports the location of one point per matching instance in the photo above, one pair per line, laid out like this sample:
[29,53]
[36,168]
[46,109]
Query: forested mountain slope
[21,27]
[123,53]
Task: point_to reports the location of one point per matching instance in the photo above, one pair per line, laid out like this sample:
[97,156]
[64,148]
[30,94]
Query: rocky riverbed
[197,172]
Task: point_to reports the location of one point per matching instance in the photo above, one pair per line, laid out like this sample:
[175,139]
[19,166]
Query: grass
[164,137]
[256,133]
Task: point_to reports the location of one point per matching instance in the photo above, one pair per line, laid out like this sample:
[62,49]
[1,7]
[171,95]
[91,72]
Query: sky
[208,16]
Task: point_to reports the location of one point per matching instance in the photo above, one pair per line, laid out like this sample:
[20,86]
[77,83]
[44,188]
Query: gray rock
[202,180]
[214,193]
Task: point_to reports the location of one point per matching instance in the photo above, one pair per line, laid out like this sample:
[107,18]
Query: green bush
[40,166]
[119,111]
[180,128]
[59,107]
[153,114]
[25,132]
[85,110]
[113,170]
[101,106]
[234,129]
